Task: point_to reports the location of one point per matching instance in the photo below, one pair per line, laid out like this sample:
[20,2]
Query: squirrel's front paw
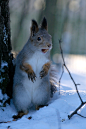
[32,76]
[45,70]
[43,73]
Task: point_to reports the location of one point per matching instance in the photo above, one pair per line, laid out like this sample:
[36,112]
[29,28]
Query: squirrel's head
[39,37]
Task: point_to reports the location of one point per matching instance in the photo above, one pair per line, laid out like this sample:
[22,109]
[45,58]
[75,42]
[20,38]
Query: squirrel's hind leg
[20,114]
[40,106]
[21,98]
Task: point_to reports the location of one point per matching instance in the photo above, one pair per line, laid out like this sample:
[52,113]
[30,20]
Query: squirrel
[35,75]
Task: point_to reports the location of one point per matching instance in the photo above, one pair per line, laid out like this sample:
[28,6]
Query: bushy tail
[53,79]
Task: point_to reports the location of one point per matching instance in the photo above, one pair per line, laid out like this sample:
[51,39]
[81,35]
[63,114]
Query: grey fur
[25,92]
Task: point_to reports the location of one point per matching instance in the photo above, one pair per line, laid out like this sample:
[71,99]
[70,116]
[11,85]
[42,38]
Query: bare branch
[75,112]
[81,115]
[61,77]
[69,72]
[64,65]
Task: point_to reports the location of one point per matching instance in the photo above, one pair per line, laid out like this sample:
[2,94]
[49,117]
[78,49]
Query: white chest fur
[37,61]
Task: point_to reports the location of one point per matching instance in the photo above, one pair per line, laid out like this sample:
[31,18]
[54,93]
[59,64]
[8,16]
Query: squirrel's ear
[44,24]
[34,27]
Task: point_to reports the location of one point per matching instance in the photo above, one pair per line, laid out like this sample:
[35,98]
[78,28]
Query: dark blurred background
[66,20]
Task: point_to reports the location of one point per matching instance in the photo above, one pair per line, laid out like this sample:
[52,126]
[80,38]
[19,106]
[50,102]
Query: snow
[3,98]
[83,111]
[5,35]
[3,63]
[55,115]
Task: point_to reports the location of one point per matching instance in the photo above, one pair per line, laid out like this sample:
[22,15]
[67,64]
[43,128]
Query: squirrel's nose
[49,45]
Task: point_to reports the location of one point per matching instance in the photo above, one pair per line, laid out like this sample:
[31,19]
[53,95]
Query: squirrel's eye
[38,38]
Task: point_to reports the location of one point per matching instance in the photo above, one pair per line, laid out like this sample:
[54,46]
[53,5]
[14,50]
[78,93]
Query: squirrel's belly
[37,61]
[31,87]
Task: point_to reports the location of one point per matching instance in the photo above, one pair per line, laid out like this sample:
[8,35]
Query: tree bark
[6,57]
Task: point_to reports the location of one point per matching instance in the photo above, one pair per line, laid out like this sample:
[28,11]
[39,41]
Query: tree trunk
[6,57]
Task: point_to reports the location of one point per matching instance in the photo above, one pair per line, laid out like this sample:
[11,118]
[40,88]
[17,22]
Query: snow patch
[5,35]
[3,63]
[3,97]
[82,111]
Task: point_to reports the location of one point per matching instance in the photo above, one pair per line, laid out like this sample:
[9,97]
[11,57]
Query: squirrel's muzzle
[49,45]
[44,50]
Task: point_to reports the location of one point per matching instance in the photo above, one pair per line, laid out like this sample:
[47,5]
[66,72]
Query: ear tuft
[34,23]
[34,27]
[44,23]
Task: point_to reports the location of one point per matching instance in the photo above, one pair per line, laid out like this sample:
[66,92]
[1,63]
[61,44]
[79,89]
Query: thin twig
[81,115]
[61,77]
[69,72]
[82,103]
[75,112]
